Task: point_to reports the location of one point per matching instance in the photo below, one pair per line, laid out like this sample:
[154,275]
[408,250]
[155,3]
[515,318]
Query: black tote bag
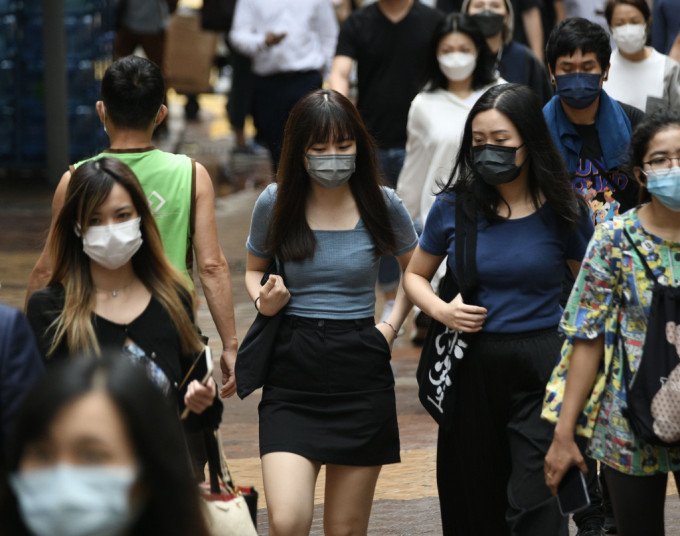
[257,347]
[444,348]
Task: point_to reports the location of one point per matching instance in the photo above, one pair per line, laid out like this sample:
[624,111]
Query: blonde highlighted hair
[90,185]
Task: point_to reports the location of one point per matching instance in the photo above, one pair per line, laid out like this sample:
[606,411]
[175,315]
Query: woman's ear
[640,176]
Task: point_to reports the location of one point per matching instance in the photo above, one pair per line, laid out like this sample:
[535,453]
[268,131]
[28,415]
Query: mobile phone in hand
[572,492]
[201,370]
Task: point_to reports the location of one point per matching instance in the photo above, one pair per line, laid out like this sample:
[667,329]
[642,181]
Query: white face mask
[112,246]
[65,500]
[457,66]
[630,38]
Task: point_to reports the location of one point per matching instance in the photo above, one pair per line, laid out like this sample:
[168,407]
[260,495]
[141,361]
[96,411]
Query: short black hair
[575,34]
[133,90]
[484,72]
[640,5]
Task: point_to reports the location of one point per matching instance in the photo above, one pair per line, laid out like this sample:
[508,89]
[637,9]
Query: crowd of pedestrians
[434,120]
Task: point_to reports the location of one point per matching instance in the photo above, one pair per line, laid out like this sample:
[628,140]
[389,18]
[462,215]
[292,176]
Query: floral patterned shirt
[613,277]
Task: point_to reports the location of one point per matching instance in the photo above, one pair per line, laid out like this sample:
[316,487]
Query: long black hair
[548,174]
[319,117]
[171,502]
[485,71]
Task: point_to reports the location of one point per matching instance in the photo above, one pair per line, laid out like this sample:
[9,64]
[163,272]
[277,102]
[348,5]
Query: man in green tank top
[179,191]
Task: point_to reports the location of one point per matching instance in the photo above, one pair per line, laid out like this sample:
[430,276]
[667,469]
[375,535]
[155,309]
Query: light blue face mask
[66,500]
[665,186]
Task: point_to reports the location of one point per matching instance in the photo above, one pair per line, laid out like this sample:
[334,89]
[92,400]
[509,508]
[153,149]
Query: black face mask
[489,23]
[495,164]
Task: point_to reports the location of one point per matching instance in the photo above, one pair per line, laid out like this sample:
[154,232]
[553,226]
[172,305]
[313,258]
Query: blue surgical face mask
[66,500]
[578,90]
[665,186]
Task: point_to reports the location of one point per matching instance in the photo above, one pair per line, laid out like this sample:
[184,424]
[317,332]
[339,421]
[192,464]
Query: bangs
[93,196]
[330,122]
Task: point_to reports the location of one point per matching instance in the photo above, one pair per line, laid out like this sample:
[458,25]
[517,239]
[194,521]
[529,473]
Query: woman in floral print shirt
[605,322]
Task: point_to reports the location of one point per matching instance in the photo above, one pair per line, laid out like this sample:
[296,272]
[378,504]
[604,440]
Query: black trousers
[273,98]
[638,501]
[490,462]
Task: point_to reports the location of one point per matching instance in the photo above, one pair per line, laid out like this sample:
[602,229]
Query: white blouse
[435,127]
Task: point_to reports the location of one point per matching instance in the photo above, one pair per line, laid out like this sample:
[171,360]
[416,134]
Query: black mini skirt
[329,394]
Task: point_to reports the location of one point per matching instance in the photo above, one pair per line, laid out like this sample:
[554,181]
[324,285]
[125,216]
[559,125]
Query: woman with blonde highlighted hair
[113,286]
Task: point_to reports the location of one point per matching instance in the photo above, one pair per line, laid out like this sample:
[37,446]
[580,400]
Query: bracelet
[396,333]
[255,302]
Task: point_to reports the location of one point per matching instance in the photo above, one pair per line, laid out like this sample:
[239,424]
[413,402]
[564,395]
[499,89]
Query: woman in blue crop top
[530,225]
[329,394]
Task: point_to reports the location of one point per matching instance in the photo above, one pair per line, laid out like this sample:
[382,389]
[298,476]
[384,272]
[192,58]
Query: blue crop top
[338,282]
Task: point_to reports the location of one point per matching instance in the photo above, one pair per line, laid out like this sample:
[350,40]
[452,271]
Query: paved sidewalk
[406,497]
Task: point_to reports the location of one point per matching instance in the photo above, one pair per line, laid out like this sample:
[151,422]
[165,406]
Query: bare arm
[339,77]
[574,266]
[42,271]
[563,452]
[457,314]
[675,49]
[215,277]
[402,305]
[560,11]
[533,28]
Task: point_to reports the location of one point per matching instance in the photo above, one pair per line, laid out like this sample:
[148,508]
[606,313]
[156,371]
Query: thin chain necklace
[114,292]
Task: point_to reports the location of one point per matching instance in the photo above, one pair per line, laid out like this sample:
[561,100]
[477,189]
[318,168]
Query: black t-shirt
[390,61]
[608,192]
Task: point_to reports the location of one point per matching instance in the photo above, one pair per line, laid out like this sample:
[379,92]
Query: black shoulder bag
[444,348]
[257,348]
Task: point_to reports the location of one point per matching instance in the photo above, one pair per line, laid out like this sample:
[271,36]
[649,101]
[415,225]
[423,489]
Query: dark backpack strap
[192,220]
[648,270]
[192,207]
[466,251]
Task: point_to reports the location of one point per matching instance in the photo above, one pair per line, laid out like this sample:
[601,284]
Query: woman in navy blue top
[530,224]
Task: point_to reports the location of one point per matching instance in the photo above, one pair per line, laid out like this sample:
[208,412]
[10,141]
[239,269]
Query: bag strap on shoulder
[648,270]
[465,250]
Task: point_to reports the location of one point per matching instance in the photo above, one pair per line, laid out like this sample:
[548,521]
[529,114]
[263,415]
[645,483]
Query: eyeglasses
[661,163]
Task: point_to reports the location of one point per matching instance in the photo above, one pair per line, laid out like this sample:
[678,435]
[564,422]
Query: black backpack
[659,357]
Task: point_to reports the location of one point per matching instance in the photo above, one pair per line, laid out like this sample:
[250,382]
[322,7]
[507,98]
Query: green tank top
[166,179]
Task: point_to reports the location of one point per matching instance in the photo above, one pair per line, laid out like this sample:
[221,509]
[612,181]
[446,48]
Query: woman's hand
[273,296]
[562,454]
[200,397]
[387,332]
[462,317]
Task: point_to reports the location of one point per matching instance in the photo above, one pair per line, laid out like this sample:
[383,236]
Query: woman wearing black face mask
[530,223]
[515,62]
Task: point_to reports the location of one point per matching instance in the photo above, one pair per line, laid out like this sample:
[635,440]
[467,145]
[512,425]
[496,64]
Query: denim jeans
[391,161]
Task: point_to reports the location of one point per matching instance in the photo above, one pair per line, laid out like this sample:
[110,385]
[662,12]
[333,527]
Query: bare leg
[289,481]
[349,497]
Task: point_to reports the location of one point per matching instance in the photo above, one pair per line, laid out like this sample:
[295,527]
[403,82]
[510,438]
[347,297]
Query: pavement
[405,501]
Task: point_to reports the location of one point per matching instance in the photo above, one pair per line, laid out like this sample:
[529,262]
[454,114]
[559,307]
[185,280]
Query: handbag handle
[217,464]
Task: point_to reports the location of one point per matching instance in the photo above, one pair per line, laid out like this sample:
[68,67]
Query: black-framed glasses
[662,163]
